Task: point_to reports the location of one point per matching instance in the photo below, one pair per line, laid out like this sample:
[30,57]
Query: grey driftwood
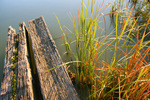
[36,54]
[22,71]
[24,89]
[6,90]
[55,84]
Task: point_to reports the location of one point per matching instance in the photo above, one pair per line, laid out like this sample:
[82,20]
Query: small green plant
[14,87]
[16,51]
[13,67]
[14,60]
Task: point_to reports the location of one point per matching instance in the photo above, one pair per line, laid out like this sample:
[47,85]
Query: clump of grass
[126,76]
[87,45]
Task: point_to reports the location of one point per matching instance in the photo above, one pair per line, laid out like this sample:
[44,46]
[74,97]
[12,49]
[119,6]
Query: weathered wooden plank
[6,86]
[55,84]
[24,89]
[23,78]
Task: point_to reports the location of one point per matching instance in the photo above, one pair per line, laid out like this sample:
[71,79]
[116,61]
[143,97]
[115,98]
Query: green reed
[127,75]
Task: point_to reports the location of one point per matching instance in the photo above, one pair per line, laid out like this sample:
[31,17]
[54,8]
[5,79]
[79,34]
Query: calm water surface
[14,11]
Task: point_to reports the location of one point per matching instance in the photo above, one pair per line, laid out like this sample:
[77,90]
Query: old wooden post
[55,84]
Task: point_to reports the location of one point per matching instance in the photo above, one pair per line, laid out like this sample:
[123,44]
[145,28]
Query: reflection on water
[14,11]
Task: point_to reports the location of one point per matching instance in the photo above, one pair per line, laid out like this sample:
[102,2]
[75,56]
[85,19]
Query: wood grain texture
[22,69]
[6,90]
[24,88]
[55,84]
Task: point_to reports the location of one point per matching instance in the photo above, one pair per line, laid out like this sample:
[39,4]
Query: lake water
[12,12]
